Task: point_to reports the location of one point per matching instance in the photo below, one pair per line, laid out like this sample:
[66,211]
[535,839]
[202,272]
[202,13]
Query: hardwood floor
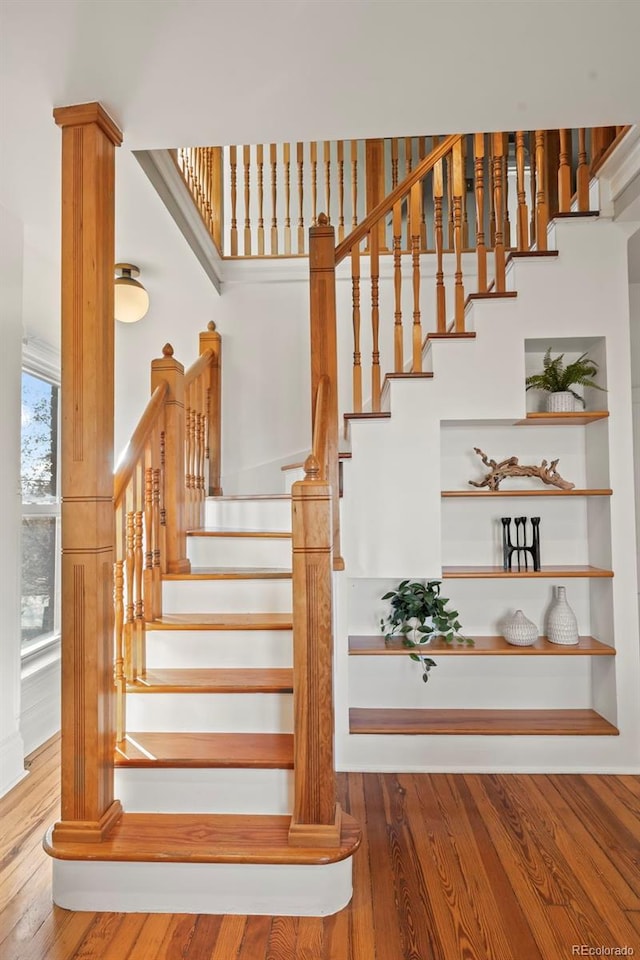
[452,867]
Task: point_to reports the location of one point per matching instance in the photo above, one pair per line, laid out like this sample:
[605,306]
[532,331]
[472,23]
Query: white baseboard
[11,762]
[40,705]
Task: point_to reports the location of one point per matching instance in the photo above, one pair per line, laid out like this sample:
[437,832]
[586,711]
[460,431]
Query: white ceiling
[178,72]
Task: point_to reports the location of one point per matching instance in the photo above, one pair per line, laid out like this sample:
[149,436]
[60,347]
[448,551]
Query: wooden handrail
[138,441]
[321,426]
[198,366]
[386,206]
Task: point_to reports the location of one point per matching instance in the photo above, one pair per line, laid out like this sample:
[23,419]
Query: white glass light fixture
[131,300]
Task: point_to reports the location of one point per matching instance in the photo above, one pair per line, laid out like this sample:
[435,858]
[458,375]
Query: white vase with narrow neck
[562,626]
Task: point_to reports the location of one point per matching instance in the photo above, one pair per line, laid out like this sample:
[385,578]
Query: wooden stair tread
[252,496]
[259,750]
[408,376]
[381,415]
[483,646]
[222,621]
[226,680]
[205,838]
[480,722]
[575,215]
[552,570]
[491,295]
[530,255]
[235,532]
[231,573]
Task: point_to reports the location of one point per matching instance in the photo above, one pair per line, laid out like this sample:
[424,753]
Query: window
[40,512]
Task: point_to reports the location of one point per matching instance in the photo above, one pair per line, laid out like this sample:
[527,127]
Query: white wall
[634,313]
[11,745]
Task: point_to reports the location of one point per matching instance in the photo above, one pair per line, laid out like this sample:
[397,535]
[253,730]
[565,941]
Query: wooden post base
[88,831]
[316,834]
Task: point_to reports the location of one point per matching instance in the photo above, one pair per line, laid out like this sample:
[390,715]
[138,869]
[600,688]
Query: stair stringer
[391,512]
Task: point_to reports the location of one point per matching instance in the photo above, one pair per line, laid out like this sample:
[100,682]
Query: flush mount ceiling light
[131,300]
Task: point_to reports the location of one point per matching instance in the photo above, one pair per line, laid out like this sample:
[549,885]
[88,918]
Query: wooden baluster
[481,248]
[450,223]
[533,182]
[340,147]
[149,611]
[246,156]
[191,456]
[206,187]
[216,192]
[286,158]
[313,160]
[438,193]
[601,140]
[324,352]
[582,174]
[422,152]
[173,461]
[139,572]
[492,194]
[326,154]
[506,219]
[316,817]
[355,296]
[187,457]
[542,212]
[157,568]
[118,605]
[498,204]
[354,184]
[202,389]
[273,155]
[394,162]
[233,165]
[129,630]
[465,217]
[375,182]
[523,212]
[408,167]
[260,165]
[414,225]
[398,344]
[564,172]
[374,261]
[300,160]
[458,189]
[211,340]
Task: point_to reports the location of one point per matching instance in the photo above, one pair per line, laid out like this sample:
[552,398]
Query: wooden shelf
[562,419]
[222,621]
[480,722]
[260,750]
[205,838]
[604,492]
[231,573]
[222,680]
[483,646]
[242,534]
[558,570]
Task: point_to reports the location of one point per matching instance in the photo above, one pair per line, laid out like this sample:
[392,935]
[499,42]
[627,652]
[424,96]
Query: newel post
[169,369]
[324,353]
[316,816]
[211,340]
[89,139]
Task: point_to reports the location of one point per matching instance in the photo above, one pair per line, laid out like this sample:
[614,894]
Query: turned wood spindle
[394,162]
[498,205]
[300,161]
[465,217]
[481,248]
[414,226]
[374,261]
[246,158]
[506,220]
[542,211]
[260,166]
[355,298]
[438,193]
[286,159]
[340,151]
[523,212]
[313,160]
[354,184]
[130,667]
[149,611]
[156,527]
[398,345]
[273,156]
[582,173]
[139,602]
[233,169]
[533,181]
[119,674]
[458,189]
[450,219]
[326,156]
[492,193]
[564,172]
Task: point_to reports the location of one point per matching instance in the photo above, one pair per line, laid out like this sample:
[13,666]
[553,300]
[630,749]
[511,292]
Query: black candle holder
[520,548]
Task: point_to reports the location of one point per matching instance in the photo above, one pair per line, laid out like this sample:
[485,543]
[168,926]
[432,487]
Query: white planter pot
[564,402]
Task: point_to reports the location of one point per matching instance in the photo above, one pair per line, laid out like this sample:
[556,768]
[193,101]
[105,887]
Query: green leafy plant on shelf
[418,614]
[558,378]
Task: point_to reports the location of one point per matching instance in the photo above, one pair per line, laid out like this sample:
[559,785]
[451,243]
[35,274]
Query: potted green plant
[418,613]
[557,380]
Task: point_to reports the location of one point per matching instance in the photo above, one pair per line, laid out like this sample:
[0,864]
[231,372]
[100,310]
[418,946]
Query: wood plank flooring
[452,867]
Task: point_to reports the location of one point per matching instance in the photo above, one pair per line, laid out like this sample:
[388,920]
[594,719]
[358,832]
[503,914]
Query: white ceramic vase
[519,631]
[562,402]
[562,626]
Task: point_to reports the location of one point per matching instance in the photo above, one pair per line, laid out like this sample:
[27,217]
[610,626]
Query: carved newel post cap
[211,326]
[167,350]
[311,468]
[323,220]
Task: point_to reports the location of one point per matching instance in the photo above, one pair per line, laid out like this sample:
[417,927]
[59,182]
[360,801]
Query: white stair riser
[248,514]
[219,648]
[210,712]
[227,596]
[308,890]
[239,552]
[187,790]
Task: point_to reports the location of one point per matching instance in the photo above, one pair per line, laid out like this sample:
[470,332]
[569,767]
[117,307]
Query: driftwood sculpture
[511,468]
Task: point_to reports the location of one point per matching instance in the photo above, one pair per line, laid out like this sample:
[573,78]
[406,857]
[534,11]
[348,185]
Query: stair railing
[316,819]
[160,487]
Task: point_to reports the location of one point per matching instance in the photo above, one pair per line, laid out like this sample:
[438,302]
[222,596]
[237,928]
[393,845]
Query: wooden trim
[380,415]
[198,366]
[562,419]
[229,573]
[249,534]
[264,751]
[530,254]
[403,188]
[558,570]
[222,680]
[604,492]
[595,167]
[211,340]
[366,646]
[136,445]
[480,722]
[222,621]
[89,137]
